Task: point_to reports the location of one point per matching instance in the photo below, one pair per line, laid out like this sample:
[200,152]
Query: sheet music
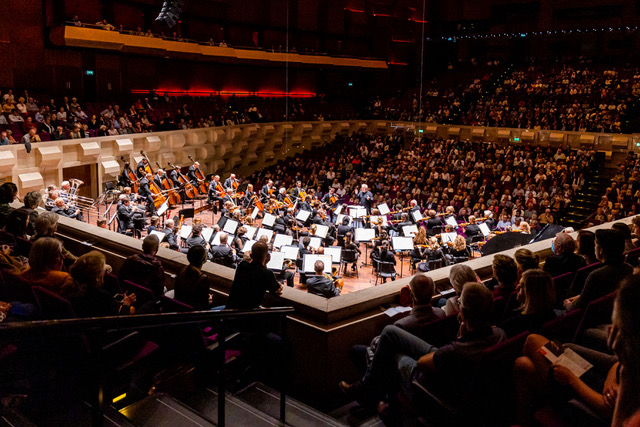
[335,252]
[282,240]
[230,226]
[185,231]
[268,220]
[417,215]
[264,232]
[384,209]
[338,209]
[216,239]
[207,233]
[251,231]
[484,228]
[315,242]
[321,230]
[357,211]
[309,261]
[159,234]
[364,234]
[303,215]
[255,213]
[247,245]
[276,261]
[410,230]
[402,243]
[290,252]
[451,221]
[448,237]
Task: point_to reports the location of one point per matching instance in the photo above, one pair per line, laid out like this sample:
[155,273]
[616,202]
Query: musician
[404,221]
[432,222]
[343,229]
[321,285]
[282,193]
[158,177]
[365,197]
[489,221]
[123,178]
[386,255]
[52,195]
[226,210]
[306,204]
[350,245]
[61,209]
[145,192]
[280,224]
[215,193]
[302,252]
[248,196]
[173,176]
[266,190]
[238,242]
[413,206]
[170,234]
[289,220]
[231,183]
[473,229]
[330,199]
[196,238]
[191,173]
[141,170]
[222,253]
[126,213]
[295,193]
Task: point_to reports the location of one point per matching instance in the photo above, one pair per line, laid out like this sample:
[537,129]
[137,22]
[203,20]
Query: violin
[189,190]
[133,178]
[201,178]
[173,195]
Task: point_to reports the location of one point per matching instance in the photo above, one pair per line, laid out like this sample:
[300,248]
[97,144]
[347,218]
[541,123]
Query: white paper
[448,237]
[384,209]
[185,231]
[255,213]
[357,211]
[251,231]
[303,215]
[340,217]
[268,220]
[410,230]
[321,230]
[290,252]
[282,240]
[569,359]
[216,239]
[315,242]
[335,252]
[207,233]
[230,226]
[310,259]
[451,221]
[402,243]
[159,234]
[393,311]
[276,261]
[417,215]
[338,209]
[264,232]
[484,228]
[247,245]
[375,218]
[364,234]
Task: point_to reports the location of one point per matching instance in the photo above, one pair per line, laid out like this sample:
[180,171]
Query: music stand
[448,237]
[484,228]
[322,230]
[401,244]
[384,209]
[230,226]
[207,233]
[247,245]
[276,262]
[268,220]
[159,234]
[451,221]
[282,240]
[417,216]
[290,252]
[251,231]
[365,235]
[309,260]
[410,230]
[303,215]
[264,232]
[315,242]
[186,213]
[185,232]
[335,252]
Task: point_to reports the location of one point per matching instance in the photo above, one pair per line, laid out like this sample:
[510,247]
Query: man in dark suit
[343,229]
[563,260]
[319,284]
[141,171]
[231,183]
[365,197]
[173,176]
[295,193]
[264,192]
[191,173]
[170,234]
[472,229]
[222,253]
[146,193]
[61,209]
[215,196]
[433,221]
[158,178]
[126,213]
[305,205]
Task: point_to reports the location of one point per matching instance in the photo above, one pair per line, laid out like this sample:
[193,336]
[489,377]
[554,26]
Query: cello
[156,193]
[189,190]
[133,178]
[202,180]
[173,196]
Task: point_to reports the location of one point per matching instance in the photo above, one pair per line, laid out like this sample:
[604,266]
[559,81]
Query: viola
[190,191]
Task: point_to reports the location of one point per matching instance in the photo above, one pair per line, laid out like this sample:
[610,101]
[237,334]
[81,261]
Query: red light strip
[354,10]
[402,41]
[178,92]
[382,14]
[397,63]
[418,21]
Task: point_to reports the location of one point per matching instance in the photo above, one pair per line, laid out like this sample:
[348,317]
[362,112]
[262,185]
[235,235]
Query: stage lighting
[170,12]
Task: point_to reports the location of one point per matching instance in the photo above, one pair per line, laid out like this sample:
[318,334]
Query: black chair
[53,306]
[349,256]
[386,270]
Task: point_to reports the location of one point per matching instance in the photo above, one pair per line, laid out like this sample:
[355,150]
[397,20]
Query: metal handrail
[22,331]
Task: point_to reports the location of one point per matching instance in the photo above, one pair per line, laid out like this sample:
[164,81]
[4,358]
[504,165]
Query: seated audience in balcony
[15,117]
[422,289]
[458,276]
[8,193]
[564,259]
[603,281]
[537,296]
[400,357]
[18,223]
[45,265]
[46,226]
[145,269]
[252,280]
[625,231]
[8,261]
[505,273]
[192,286]
[29,138]
[31,202]
[86,293]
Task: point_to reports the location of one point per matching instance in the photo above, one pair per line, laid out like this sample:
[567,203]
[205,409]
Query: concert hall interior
[312,213]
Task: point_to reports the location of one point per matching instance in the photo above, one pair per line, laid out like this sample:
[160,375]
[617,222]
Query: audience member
[505,272]
[192,285]
[564,259]
[145,269]
[45,265]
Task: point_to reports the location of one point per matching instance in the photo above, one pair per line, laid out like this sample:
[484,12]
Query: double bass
[157,193]
[172,194]
[189,190]
[133,178]
[202,180]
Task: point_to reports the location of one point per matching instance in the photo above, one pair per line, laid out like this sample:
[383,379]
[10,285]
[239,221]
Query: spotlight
[170,12]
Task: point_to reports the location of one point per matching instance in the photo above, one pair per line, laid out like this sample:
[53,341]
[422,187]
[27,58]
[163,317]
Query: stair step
[237,413]
[353,415]
[162,410]
[11,417]
[267,400]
